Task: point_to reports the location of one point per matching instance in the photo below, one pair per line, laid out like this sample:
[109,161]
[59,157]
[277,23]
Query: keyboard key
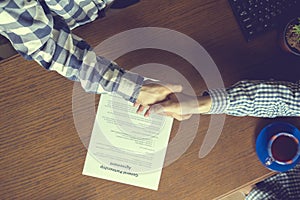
[258,16]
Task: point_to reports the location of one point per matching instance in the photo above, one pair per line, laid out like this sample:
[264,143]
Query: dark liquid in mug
[284,148]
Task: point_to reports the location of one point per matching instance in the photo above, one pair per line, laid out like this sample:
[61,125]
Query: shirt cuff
[219,99]
[129,86]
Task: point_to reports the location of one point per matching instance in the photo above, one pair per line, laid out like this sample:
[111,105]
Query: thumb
[174,87]
[181,117]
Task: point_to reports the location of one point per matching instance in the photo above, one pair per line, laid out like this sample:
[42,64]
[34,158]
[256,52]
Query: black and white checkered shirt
[282,186]
[257,98]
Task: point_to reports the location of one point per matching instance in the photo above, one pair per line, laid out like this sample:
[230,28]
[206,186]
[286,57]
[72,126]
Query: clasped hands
[169,100]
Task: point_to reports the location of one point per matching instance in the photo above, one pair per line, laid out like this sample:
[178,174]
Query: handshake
[168,99]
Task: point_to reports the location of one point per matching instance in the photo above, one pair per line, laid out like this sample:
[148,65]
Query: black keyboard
[256,17]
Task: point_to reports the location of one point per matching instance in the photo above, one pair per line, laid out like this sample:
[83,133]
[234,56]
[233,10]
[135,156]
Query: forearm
[95,73]
[257,98]
[79,62]
[48,40]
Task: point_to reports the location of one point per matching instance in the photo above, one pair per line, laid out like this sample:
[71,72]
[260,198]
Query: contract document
[127,147]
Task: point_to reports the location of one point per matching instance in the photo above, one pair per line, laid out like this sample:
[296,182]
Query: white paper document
[127,147]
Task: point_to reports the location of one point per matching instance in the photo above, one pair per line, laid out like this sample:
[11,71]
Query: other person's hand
[181,106]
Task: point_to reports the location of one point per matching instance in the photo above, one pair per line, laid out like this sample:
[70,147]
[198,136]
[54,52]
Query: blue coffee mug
[265,140]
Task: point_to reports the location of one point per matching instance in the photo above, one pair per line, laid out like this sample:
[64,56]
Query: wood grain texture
[41,151]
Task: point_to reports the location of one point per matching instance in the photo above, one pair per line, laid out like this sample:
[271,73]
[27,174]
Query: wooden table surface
[42,154]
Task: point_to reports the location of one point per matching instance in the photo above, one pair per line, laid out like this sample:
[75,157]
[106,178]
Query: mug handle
[269,161]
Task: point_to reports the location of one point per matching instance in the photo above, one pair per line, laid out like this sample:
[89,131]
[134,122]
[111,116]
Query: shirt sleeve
[257,98]
[284,185]
[40,35]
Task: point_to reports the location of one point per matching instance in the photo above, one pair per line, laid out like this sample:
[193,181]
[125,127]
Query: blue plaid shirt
[41,31]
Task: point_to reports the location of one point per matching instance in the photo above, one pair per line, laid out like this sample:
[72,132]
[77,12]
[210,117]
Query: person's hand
[154,92]
[181,106]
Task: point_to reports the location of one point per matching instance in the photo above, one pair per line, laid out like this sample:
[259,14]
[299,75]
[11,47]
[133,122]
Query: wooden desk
[42,155]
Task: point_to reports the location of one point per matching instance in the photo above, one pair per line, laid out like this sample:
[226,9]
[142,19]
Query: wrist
[204,104]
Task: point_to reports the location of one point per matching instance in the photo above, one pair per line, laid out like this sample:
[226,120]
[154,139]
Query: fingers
[140,109]
[147,113]
[157,108]
[178,117]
